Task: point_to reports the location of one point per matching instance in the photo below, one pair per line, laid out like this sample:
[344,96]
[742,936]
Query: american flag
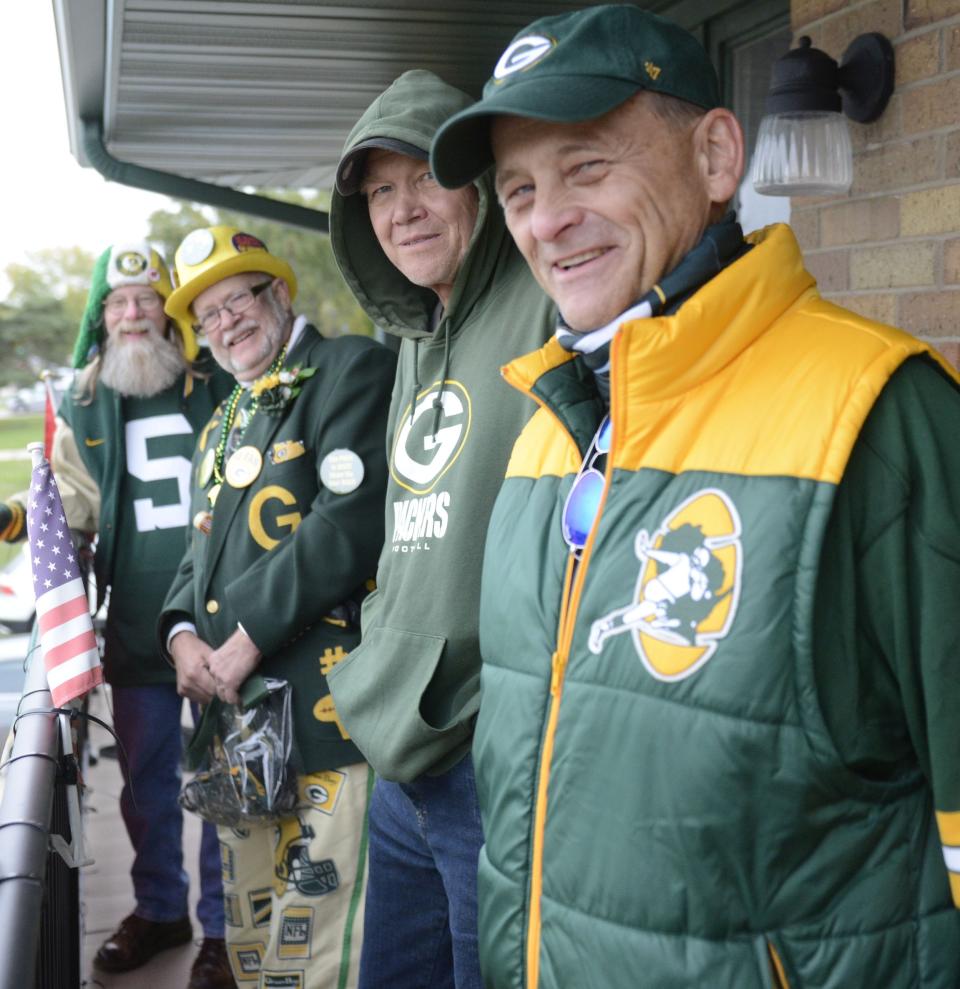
[67,642]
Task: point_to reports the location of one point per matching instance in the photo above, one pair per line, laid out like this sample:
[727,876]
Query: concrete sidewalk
[106,891]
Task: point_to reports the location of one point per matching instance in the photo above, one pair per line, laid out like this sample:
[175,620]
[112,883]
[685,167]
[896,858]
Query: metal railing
[39,892]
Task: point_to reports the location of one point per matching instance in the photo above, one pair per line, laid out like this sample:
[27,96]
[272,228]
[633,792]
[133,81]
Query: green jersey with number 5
[138,451]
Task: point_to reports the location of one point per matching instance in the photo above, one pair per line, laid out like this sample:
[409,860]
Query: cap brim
[461,149]
[350,169]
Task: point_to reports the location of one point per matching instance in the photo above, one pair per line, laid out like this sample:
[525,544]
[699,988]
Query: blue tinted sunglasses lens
[602,442]
[583,503]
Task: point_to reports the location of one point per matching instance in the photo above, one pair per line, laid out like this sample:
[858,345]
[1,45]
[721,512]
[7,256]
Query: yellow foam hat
[210,254]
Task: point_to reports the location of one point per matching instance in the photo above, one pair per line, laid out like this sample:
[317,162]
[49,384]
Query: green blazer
[286,556]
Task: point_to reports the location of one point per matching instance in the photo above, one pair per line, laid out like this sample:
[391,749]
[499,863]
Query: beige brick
[951,350]
[815,34]
[831,270]
[918,58]
[806,227]
[936,104]
[882,131]
[930,315]
[897,266]
[952,54]
[930,211]
[803,12]
[952,168]
[918,13]
[881,307]
[859,221]
[881,15]
[895,166]
[951,265]
[809,202]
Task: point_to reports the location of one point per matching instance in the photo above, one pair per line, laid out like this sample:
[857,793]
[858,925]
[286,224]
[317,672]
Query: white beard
[141,367]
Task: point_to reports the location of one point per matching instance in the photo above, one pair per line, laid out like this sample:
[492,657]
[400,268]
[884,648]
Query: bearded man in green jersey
[124,437]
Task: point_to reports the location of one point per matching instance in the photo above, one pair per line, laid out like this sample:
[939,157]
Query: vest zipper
[570,603]
[776,964]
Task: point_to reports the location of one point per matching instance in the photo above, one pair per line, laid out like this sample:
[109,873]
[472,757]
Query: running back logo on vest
[687,588]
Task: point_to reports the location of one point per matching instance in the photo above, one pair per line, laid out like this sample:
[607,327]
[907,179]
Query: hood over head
[404,118]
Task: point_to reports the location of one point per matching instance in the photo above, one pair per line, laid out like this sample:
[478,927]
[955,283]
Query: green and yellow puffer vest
[662,803]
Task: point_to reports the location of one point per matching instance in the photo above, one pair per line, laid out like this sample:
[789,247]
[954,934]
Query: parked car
[16,593]
[34,397]
[13,651]
[17,602]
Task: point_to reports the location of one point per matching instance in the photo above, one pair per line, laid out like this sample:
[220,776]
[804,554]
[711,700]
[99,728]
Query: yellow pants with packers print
[294,892]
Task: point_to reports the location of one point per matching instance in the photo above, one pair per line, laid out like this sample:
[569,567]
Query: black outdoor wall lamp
[803,148]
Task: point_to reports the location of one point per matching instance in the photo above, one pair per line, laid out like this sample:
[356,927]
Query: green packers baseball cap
[574,67]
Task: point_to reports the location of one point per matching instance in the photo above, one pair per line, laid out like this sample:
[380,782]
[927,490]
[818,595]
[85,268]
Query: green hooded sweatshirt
[409,693]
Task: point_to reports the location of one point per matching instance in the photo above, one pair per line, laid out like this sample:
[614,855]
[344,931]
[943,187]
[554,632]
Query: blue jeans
[420,928]
[147,722]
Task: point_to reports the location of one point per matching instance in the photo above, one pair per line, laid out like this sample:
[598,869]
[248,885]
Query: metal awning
[259,93]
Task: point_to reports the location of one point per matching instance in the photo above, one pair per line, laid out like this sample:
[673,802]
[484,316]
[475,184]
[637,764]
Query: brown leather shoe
[136,941]
[211,968]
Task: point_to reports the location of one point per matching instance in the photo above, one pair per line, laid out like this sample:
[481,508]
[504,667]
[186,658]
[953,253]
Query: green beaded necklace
[229,413]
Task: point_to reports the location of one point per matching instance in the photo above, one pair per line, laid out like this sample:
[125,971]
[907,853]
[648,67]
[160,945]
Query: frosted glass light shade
[805,153]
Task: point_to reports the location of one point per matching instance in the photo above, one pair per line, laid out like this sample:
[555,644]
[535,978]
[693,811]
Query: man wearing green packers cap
[124,437]
[286,524]
[717,740]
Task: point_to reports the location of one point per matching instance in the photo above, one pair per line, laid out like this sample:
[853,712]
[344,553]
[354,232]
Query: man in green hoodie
[437,269]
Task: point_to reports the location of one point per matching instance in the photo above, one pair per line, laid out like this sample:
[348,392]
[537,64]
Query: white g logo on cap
[522,53]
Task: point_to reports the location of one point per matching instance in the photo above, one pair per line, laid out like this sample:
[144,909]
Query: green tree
[61,272]
[322,294]
[40,316]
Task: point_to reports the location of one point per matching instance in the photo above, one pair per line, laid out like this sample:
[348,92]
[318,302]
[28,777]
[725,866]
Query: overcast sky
[46,198]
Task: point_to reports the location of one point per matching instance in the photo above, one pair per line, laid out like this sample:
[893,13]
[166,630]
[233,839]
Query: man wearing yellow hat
[122,447]
[287,523]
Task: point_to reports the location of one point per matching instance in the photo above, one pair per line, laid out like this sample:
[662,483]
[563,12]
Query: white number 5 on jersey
[150,516]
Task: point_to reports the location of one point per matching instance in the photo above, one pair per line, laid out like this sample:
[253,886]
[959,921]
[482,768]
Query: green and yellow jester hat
[131,263]
[210,254]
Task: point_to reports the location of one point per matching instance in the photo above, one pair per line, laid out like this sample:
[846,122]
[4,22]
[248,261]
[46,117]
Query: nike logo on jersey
[91,442]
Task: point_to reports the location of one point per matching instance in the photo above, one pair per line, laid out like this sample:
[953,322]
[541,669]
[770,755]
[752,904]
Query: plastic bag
[244,758]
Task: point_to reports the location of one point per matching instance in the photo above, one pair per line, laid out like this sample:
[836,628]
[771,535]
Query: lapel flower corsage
[275,391]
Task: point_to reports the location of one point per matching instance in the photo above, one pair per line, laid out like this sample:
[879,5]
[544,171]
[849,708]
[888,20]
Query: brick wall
[891,248]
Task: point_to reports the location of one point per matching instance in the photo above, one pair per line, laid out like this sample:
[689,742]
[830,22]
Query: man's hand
[232,663]
[191,656]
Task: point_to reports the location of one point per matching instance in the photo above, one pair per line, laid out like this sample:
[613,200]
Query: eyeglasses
[236,305]
[583,500]
[147,302]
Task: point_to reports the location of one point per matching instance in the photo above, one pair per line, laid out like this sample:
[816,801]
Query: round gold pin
[203,522]
[243,467]
[206,468]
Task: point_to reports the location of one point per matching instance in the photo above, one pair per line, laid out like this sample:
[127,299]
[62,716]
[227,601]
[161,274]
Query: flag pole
[49,412]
